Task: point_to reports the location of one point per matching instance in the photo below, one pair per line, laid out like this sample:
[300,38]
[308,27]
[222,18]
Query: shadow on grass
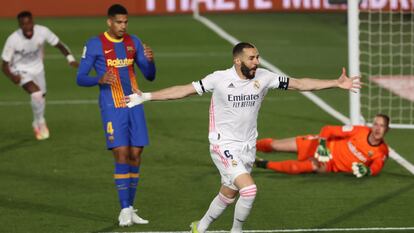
[7,203]
[357,211]
[18,144]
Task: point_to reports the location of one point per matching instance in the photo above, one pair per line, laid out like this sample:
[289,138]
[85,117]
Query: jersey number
[227,154]
[109,128]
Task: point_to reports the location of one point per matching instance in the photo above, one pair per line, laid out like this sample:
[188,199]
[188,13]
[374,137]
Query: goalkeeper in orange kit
[360,150]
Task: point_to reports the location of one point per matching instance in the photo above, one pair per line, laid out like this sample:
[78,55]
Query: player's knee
[248,192]
[37,96]
[225,199]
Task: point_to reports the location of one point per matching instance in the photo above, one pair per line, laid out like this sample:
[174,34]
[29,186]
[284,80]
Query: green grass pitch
[65,184]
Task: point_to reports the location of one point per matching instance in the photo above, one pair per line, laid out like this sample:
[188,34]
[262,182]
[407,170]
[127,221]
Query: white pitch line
[95,102]
[358,229]
[318,101]
[56,56]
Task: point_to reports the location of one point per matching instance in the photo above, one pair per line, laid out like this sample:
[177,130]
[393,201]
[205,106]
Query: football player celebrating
[113,54]
[237,94]
[23,64]
[360,150]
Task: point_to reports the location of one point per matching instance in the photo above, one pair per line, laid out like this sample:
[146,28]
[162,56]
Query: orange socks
[291,166]
[264,145]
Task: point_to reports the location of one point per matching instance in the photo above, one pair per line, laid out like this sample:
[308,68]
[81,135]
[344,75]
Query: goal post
[384,56]
[353,59]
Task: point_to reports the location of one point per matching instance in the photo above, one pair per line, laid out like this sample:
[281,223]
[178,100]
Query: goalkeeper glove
[360,170]
[322,153]
[135,99]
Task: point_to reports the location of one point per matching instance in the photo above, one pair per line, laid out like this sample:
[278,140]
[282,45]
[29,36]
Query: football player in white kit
[23,64]
[237,95]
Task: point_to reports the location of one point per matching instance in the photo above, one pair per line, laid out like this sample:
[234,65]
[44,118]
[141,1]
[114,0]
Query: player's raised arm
[170,93]
[308,84]
[145,60]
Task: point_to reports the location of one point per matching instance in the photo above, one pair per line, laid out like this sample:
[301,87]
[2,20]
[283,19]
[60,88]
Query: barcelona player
[113,54]
[360,150]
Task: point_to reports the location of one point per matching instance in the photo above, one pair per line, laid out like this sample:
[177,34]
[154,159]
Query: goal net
[386,60]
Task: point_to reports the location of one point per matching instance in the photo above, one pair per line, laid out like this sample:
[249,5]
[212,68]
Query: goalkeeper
[359,150]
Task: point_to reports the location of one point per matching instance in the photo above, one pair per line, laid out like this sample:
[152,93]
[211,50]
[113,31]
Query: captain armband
[283,83]
[199,87]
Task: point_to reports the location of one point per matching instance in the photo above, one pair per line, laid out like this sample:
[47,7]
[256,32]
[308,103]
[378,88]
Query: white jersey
[26,55]
[235,103]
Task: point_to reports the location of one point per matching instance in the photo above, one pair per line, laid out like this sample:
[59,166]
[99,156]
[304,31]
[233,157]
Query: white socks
[243,207]
[38,107]
[217,206]
[220,203]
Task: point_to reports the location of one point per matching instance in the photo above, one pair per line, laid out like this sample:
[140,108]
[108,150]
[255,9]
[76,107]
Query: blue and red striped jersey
[106,54]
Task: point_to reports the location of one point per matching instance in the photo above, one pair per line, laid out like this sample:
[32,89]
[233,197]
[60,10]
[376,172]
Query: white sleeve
[50,37]
[278,82]
[206,84]
[8,50]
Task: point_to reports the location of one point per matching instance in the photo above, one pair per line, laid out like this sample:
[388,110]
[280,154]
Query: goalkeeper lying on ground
[353,149]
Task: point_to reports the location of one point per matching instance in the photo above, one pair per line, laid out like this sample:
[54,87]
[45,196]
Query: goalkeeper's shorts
[125,126]
[306,145]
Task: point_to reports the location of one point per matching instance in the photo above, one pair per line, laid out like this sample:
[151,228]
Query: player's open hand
[136,98]
[353,84]
[148,53]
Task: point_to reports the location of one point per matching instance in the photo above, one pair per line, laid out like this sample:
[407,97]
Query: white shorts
[38,79]
[232,160]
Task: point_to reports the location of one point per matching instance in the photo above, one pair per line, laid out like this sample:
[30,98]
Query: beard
[248,72]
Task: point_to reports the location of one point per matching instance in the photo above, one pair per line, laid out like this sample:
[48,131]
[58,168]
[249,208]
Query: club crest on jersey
[256,84]
[234,163]
[370,153]
[130,49]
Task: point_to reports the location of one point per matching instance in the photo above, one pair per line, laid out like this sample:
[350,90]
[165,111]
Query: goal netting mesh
[386,35]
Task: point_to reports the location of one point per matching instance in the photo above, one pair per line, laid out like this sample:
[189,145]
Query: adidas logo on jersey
[231,85]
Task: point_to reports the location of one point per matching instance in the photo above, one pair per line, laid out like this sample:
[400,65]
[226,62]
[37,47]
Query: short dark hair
[117,9]
[385,117]
[24,14]
[238,48]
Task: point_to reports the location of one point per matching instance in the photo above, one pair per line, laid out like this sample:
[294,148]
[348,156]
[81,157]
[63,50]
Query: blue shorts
[125,126]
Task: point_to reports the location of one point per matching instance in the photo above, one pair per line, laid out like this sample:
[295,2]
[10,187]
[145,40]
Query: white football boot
[124,218]
[135,218]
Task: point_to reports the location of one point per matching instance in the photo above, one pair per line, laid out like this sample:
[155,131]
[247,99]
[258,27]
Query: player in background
[23,63]
[237,94]
[360,150]
[112,54]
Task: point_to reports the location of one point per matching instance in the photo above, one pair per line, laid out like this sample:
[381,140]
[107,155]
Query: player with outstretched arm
[237,94]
